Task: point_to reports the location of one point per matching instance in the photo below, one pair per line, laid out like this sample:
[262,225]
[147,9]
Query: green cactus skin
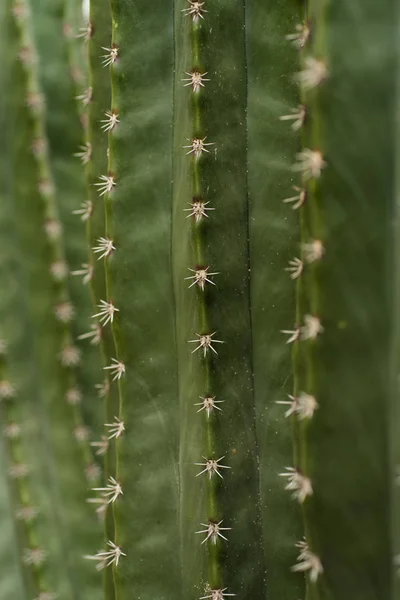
[66,139]
[65,459]
[344,448]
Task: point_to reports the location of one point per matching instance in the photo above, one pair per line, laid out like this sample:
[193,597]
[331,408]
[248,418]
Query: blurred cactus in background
[199,291]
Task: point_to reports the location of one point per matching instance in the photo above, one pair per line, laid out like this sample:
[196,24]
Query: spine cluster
[202,275]
[301,406]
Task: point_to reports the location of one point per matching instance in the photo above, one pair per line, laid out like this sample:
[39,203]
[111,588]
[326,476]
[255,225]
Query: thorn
[46,188]
[106,184]
[213,531]
[85,153]
[197,146]
[211,467]
[47,596]
[115,429]
[105,246]
[86,97]
[297,115]
[303,405]
[308,561]
[297,200]
[111,492]
[53,229]
[196,80]
[81,433]
[217,594]
[111,56]
[59,270]
[117,368]
[92,473]
[208,404]
[313,251]
[85,211]
[35,102]
[26,513]
[73,396]
[33,556]
[12,431]
[101,446]
[298,483]
[86,272]
[70,356]
[294,334]
[200,277]
[195,10]
[313,74]
[101,508]
[86,32]
[312,328]
[205,342]
[106,313]
[198,210]
[310,163]
[7,390]
[64,312]
[110,121]
[18,471]
[102,388]
[300,37]
[106,558]
[295,268]
[94,335]
[3,347]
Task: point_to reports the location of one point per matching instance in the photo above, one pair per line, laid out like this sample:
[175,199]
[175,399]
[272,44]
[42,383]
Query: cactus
[238,177]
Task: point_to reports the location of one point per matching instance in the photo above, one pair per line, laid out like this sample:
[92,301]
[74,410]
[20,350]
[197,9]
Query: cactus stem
[297,115]
[308,561]
[302,405]
[213,531]
[297,483]
[300,37]
[198,146]
[110,121]
[211,467]
[295,268]
[310,163]
[105,246]
[106,184]
[115,429]
[200,277]
[117,368]
[206,342]
[196,80]
[111,492]
[85,211]
[209,404]
[198,210]
[107,558]
[106,314]
[195,10]
[111,56]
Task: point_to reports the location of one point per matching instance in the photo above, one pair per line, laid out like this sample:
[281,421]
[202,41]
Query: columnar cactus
[235,221]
